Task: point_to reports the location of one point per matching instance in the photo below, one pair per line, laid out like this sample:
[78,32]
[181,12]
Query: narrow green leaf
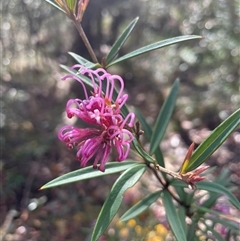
[191,230]
[216,138]
[182,217]
[160,159]
[120,41]
[180,191]
[55,5]
[142,152]
[83,61]
[217,188]
[164,117]
[190,198]
[71,4]
[141,206]
[89,172]
[148,132]
[157,45]
[114,199]
[177,183]
[173,217]
[185,197]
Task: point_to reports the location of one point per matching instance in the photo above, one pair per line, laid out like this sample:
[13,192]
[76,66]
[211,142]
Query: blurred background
[36,38]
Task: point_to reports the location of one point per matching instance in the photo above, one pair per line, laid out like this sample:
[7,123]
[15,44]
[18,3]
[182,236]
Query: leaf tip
[42,187]
[177,81]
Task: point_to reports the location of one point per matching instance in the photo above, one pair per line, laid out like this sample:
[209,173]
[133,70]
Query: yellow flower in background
[131,223]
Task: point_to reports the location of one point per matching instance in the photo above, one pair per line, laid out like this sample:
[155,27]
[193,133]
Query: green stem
[166,186]
[85,40]
[149,159]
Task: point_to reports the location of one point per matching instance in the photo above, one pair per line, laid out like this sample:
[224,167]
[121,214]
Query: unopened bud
[82,5]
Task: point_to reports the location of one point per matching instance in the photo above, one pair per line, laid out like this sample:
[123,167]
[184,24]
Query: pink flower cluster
[101,110]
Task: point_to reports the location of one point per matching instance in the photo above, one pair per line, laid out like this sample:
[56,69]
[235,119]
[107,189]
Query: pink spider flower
[102,111]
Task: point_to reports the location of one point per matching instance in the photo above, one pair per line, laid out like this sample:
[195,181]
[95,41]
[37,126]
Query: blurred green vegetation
[35,39]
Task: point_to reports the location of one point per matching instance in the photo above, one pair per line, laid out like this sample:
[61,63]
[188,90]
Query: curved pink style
[103,111]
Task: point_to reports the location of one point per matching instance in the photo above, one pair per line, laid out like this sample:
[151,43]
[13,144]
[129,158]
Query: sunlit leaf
[81,60]
[217,188]
[214,140]
[114,199]
[89,172]
[55,5]
[173,217]
[150,47]
[164,117]
[141,206]
[120,41]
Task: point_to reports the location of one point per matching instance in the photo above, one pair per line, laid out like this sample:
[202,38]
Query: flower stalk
[85,40]
[75,10]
